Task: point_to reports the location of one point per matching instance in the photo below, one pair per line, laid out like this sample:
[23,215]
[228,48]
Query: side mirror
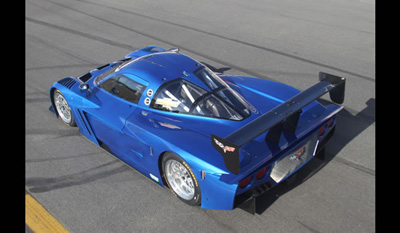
[84,86]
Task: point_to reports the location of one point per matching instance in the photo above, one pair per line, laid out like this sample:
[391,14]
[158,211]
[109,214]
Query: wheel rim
[63,108]
[179,179]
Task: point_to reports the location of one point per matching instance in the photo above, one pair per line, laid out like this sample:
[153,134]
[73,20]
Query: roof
[158,68]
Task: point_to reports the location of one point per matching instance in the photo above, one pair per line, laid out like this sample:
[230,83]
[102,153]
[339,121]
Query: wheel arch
[159,163]
[52,90]
[185,158]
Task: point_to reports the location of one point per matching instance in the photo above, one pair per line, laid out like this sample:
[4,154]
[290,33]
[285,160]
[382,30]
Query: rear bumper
[250,200]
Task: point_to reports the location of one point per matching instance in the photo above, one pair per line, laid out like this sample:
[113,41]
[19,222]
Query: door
[118,97]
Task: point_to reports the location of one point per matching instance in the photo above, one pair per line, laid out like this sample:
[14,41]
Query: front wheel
[63,109]
[181,179]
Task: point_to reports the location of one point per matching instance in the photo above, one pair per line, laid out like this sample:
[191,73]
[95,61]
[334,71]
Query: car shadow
[348,127]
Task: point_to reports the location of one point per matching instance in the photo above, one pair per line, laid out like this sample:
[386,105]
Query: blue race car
[215,140]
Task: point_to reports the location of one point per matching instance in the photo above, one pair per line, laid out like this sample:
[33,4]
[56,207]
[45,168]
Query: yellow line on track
[38,219]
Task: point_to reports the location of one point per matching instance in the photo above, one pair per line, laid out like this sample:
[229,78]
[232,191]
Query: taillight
[261,173]
[245,182]
[330,122]
[321,131]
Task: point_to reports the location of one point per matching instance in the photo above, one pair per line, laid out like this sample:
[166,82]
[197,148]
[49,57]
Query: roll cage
[183,96]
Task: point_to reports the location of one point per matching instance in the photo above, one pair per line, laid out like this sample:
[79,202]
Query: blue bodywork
[139,134]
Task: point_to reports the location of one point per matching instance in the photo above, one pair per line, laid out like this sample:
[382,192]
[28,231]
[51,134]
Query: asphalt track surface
[88,190]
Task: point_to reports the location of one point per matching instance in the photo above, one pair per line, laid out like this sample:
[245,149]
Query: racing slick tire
[180,179]
[63,109]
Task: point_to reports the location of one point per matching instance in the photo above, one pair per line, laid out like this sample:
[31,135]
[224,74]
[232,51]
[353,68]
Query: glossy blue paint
[139,134]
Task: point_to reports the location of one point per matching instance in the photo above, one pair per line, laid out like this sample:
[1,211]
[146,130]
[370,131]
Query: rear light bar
[261,173]
[328,125]
[245,182]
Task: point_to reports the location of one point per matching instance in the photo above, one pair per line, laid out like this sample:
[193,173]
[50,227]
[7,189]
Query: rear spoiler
[287,114]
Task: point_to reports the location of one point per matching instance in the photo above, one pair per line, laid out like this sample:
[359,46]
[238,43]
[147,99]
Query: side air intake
[67,82]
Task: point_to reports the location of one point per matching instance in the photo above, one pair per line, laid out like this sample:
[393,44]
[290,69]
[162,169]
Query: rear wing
[287,113]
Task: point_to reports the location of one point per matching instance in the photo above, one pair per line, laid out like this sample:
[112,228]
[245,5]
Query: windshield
[114,67]
[220,101]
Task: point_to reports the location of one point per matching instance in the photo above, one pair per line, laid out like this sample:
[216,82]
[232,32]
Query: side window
[123,87]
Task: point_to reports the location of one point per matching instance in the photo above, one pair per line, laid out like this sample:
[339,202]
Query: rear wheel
[180,179]
[63,109]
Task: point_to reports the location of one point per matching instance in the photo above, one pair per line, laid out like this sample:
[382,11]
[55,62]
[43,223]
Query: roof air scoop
[175,50]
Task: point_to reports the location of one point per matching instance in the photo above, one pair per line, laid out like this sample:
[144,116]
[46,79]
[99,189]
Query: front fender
[76,102]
